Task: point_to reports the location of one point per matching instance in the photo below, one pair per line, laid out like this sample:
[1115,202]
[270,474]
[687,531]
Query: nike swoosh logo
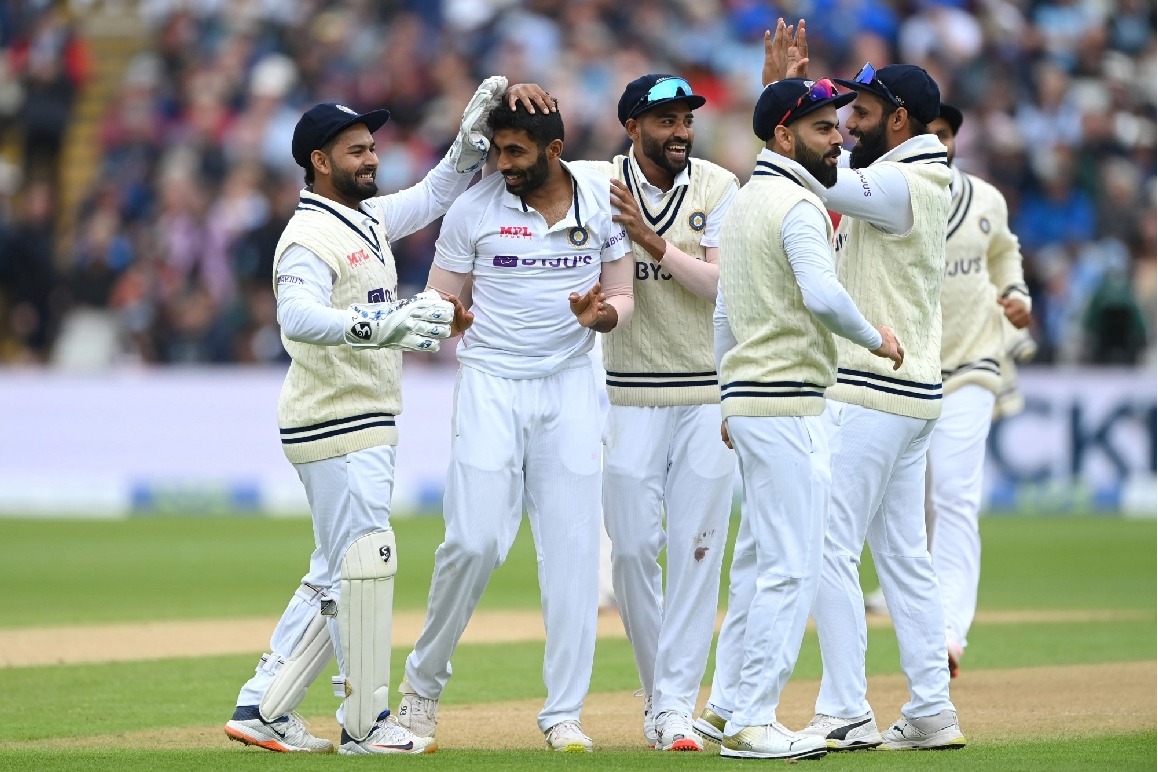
[407,747]
[842,732]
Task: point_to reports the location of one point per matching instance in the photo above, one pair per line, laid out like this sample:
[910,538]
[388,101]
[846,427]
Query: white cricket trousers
[669,460]
[349,497]
[534,441]
[784,465]
[878,463]
[956,463]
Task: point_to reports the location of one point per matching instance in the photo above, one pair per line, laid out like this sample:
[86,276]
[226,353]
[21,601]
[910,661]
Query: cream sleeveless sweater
[982,263]
[336,399]
[663,355]
[784,358]
[897,279]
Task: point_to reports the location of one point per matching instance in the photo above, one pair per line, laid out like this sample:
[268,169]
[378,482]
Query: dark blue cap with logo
[323,122]
[901,85]
[650,91]
[790,99]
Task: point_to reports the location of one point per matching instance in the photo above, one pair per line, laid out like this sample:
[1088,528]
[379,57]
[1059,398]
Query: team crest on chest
[697,220]
[578,236]
[984,224]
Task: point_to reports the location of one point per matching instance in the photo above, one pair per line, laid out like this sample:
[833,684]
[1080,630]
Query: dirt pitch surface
[994,705]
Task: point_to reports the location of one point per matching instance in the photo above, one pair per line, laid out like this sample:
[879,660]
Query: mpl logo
[515,232]
[357,258]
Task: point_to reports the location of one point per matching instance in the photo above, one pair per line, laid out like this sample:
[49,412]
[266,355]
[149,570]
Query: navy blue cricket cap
[952,116]
[790,99]
[323,122]
[902,85]
[651,91]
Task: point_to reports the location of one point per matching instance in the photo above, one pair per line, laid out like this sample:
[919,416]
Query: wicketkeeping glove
[470,147]
[415,324]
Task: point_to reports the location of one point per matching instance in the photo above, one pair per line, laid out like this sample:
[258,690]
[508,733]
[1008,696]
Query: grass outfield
[172,569]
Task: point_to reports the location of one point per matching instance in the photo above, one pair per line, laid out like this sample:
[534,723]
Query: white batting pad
[294,675]
[365,611]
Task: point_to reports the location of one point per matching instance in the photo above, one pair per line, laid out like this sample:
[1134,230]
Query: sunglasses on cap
[868,77]
[818,92]
[668,88]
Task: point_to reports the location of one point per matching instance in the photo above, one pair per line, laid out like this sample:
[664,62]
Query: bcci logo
[984,225]
[698,221]
[578,236]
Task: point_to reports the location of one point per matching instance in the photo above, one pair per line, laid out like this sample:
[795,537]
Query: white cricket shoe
[710,725]
[387,736]
[287,734]
[674,732]
[416,713]
[772,741]
[567,737]
[845,734]
[928,733]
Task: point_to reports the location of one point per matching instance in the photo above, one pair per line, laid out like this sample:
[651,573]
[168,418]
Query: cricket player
[984,287]
[546,260]
[890,251]
[661,450]
[779,305]
[345,329]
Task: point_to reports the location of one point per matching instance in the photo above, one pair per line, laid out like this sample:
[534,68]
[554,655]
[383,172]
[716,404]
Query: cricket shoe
[928,733]
[955,653]
[286,734]
[674,732]
[772,741]
[710,726]
[649,729]
[567,737]
[387,736]
[845,734]
[416,713]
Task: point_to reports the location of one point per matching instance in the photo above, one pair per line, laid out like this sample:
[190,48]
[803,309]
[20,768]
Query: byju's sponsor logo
[515,232]
[513,261]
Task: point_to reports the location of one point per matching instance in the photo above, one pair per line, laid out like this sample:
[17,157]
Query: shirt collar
[681,180]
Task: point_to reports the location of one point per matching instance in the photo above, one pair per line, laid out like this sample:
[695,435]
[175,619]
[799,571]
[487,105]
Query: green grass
[1119,752]
[101,699]
[73,572]
[85,571]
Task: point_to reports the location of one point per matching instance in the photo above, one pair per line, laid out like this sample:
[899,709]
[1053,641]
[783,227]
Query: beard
[654,150]
[817,164]
[870,145]
[529,179]
[348,185]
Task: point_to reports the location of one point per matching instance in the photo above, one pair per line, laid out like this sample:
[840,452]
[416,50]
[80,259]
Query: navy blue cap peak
[786,100]
[323,122]
[651,91]
[902,85]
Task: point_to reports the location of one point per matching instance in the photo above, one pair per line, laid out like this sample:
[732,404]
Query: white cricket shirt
[524,272]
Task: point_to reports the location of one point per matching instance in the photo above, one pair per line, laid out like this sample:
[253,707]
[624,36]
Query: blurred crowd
[168,258]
